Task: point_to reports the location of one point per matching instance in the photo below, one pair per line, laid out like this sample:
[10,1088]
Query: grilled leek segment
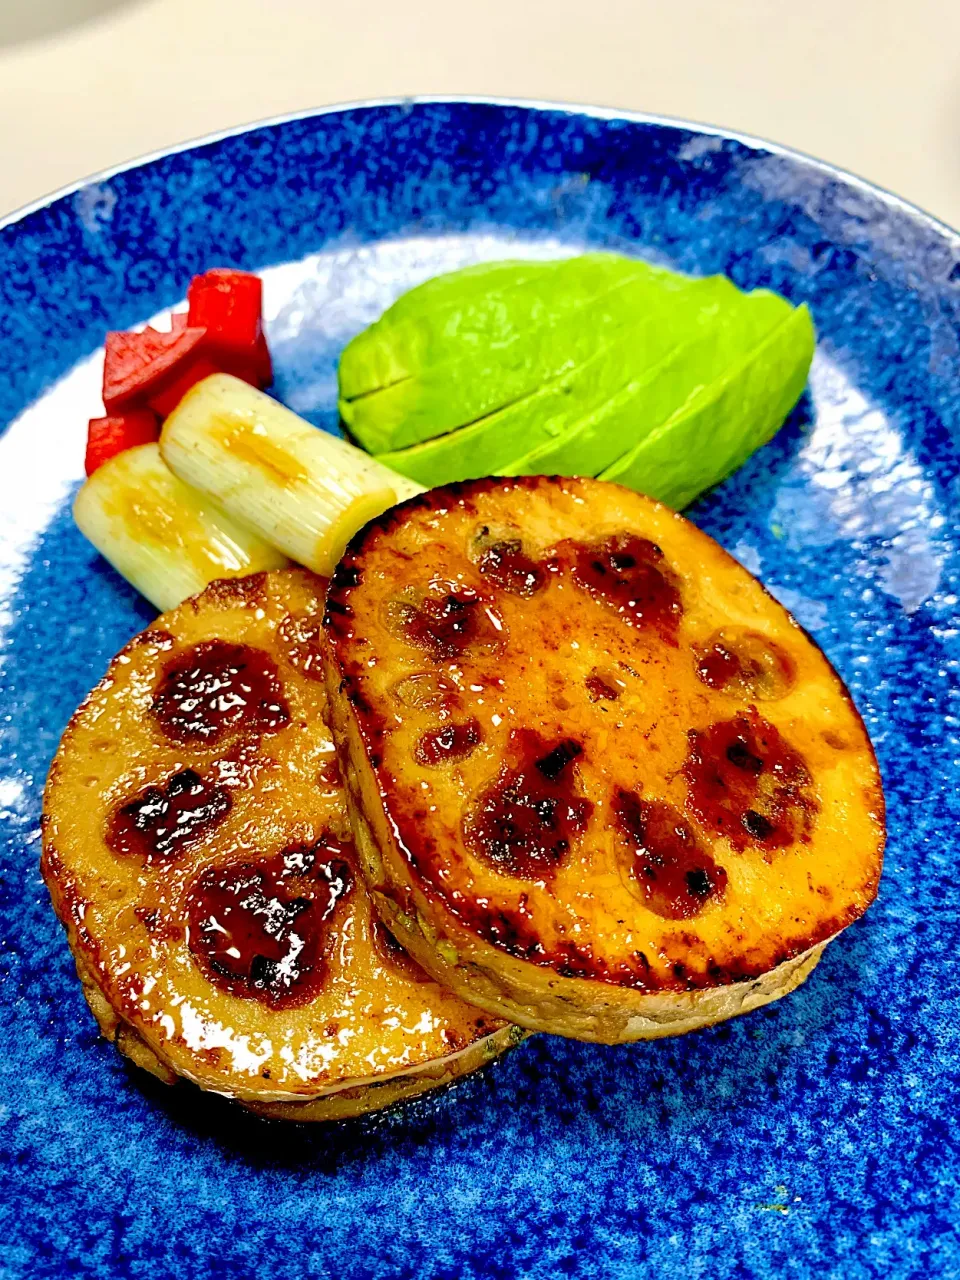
[166,539]
[301,489]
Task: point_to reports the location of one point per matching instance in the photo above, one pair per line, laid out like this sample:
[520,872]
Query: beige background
[872,85]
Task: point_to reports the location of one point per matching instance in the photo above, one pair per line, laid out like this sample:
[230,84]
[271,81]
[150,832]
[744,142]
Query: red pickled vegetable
[173,388]
[111,435]
[222,331]
[262,364]
[135,364]
[228,304]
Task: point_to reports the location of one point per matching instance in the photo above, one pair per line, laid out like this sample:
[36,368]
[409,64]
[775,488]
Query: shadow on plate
[575,1092]
[322,1147]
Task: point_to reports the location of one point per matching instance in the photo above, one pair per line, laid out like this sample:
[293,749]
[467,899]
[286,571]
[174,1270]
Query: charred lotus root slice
[165,819]
[527,820]
[449,743]
[746,664]
[631,575]
[448,622]
[215,689]
[260,929]
[676,874]
[500,557]
[748,784]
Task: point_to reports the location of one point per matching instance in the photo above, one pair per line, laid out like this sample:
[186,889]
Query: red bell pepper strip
[135,364]
[109,436]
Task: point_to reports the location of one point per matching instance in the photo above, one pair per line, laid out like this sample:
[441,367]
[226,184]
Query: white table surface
[871,85]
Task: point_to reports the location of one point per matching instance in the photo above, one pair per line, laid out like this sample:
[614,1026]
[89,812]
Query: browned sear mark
[527,820]
[446,626]
[215,689]
[165,819]
[448,743]
[631,575]
[393,955]
[746,664]
[603,686]
[676,874]
[239,437]
[748,784]
[260,929]
[329,773]
[507,566]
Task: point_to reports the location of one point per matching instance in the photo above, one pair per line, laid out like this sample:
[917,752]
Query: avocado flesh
[496,441]
[545,343]
[713,342]
[392,347]
[473,306]
[718,428]
[481,346]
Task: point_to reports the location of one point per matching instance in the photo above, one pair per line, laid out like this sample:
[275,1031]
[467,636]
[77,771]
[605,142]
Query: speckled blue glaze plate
[817,1137]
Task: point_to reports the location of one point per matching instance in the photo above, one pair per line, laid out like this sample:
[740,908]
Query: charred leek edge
[166,539]
[303,490]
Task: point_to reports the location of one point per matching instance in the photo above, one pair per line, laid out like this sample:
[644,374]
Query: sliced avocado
[481,448]
[494,442]
[713,339]
[543,342]
[474,310]
[717,429]
[387,350]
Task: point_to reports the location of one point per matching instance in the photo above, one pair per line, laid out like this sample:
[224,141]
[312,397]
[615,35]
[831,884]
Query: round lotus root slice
[601,783]
[197,848]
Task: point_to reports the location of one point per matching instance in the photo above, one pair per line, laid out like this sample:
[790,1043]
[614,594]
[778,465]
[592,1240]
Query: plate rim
[930,221]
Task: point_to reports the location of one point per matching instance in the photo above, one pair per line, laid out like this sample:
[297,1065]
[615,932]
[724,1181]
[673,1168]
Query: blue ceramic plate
[817,1137]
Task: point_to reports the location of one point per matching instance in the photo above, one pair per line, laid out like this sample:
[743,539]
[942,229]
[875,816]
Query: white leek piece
[165,538]
[301,489]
